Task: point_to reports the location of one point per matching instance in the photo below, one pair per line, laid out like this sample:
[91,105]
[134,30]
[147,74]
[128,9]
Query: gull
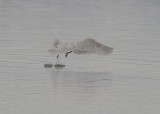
[87,46]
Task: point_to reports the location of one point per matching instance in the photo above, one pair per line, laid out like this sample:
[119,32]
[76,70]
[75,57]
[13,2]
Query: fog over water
[125,82]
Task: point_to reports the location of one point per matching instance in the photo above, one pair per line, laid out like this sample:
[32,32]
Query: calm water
[126,82]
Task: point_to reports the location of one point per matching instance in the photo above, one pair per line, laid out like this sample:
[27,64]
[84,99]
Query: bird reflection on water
[72,79]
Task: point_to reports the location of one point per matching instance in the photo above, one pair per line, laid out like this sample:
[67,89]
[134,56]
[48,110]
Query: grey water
[125,82]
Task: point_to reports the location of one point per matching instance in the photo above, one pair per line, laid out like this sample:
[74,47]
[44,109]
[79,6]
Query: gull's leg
[57,56]
[66,54]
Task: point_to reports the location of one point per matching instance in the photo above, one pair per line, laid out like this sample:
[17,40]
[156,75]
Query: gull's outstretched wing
[90,46]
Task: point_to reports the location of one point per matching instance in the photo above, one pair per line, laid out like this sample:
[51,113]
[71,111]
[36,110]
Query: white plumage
[87,46]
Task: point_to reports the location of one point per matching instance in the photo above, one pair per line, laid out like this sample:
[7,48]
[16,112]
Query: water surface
[125,82]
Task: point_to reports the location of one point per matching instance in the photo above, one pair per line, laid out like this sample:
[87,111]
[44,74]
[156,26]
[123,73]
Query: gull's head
[56,43]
